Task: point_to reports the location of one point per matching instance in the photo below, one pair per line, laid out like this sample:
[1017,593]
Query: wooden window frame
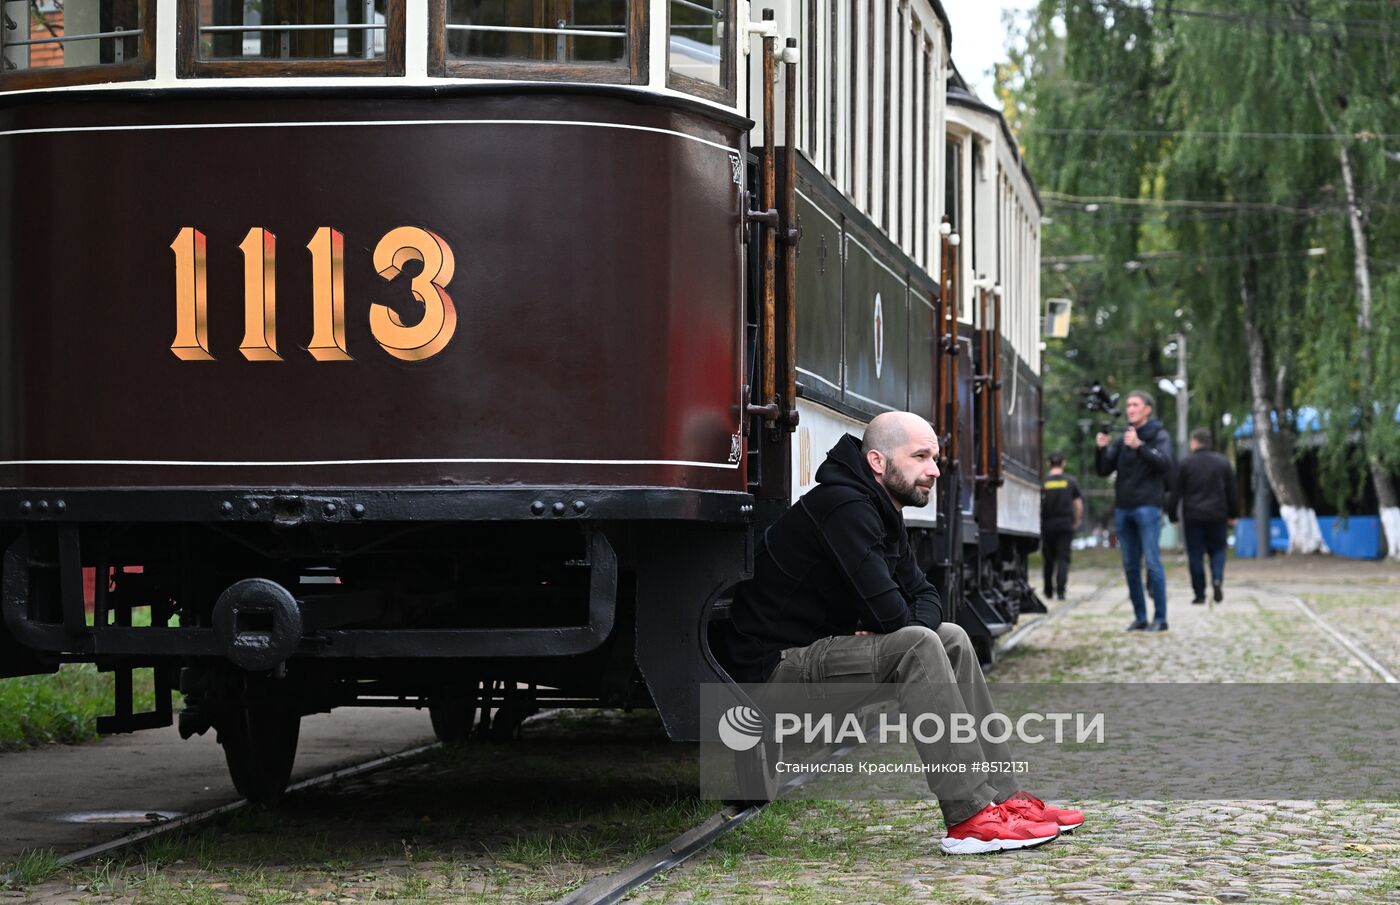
[632,71]
[724,94]
[59,76]
[189,65]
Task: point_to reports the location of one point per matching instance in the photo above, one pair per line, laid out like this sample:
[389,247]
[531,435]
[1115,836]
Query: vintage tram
[449,354]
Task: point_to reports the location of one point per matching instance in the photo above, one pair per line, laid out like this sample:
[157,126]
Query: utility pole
[1183,398]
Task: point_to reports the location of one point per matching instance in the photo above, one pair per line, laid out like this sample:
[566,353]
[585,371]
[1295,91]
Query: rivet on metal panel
[537,507]
[60,506]
[226,507]
[330,509]
[558,508]
[358,510]
[43,505]
[25,506]
[580,507]
[253,507]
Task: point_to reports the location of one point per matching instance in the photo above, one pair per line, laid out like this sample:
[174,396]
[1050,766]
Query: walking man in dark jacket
[837,596]
[1206,493]
[1061,513]
[1143,459]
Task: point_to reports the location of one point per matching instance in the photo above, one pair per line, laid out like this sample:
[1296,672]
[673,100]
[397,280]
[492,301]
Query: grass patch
[29,868]
[63,707]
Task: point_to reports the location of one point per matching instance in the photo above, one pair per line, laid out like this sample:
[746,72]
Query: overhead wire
[1205,133]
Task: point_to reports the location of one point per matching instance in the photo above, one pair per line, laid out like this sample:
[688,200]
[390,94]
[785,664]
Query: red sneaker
[996,828]
[1031,808]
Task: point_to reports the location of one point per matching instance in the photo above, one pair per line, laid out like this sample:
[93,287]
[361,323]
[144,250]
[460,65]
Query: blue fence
[1359,537]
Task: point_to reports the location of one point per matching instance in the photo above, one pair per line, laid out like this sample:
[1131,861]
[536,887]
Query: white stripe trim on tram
[368,122]
[867,399]
[313,462]
[901,277]
[808,373]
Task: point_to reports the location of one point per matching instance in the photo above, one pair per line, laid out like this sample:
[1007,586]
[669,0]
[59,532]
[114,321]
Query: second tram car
[450,354]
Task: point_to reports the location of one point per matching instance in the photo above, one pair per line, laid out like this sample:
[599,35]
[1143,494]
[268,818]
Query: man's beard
[904,492]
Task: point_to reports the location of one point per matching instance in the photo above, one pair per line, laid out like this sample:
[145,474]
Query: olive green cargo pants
[933,672]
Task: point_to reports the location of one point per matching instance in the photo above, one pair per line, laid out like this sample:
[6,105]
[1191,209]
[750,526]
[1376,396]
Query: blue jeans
[1139,532]
[1205,538]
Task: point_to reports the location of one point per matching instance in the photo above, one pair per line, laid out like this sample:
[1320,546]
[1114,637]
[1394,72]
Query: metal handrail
[717,13]
[315,27]
[63,39]
[572,32]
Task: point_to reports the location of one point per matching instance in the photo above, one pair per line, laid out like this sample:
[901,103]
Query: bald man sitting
[837,596]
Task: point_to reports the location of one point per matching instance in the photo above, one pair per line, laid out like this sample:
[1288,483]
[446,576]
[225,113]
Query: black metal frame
[289,507]
[75,638]
[598,510]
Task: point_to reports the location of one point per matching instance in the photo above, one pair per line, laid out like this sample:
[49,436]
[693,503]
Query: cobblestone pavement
[1128,851]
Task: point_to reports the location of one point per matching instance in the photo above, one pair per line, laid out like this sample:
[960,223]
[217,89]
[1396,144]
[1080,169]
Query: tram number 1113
[397,247]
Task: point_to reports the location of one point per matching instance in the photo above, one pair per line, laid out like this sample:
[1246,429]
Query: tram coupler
[258,624]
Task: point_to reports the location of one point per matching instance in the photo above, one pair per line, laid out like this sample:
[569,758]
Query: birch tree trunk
[1274,449]
[1361,261]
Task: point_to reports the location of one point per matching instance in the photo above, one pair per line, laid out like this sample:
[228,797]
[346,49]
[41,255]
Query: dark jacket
[1145,474]
[837,561]
[1057,495]
[1205,489]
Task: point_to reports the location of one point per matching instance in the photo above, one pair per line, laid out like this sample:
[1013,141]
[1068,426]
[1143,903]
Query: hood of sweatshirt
[845,465]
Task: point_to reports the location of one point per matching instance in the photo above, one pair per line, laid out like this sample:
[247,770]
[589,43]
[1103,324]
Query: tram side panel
[274,344]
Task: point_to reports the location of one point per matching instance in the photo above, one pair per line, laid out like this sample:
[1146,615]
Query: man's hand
[1103,440]
[1130,438]
[862,631]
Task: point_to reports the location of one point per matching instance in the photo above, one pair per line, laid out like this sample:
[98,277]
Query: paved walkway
[1128,851]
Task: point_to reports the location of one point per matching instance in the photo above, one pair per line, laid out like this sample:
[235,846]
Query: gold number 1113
[426,338]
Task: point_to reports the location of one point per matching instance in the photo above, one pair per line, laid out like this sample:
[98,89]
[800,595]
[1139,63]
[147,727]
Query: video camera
[1097,399]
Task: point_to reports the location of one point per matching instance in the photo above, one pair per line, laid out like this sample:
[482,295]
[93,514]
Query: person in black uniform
[1208,499]
[1061,514]
[837,596]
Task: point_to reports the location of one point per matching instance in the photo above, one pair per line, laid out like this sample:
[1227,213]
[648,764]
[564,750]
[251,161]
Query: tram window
[572,39]
[288,37]
[697,44]
[291,29]
[952,186]
[50,42]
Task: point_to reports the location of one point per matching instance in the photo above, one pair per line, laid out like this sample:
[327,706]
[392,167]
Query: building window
[575,40]
[291,37]
[699,48]
[46,42]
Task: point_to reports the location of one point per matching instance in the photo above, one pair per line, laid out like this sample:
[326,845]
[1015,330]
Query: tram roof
[960,95]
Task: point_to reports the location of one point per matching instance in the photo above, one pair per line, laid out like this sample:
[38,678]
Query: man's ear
[876,460]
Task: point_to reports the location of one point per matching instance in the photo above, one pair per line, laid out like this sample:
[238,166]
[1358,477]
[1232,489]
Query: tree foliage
[1125,109]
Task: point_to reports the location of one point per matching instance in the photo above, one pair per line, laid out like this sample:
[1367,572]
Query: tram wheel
[259,739]
[454,719]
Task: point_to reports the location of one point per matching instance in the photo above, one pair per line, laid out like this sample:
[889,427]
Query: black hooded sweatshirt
[839,560]
[1145,473]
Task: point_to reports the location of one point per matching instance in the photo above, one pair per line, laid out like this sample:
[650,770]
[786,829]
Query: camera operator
[1143,459]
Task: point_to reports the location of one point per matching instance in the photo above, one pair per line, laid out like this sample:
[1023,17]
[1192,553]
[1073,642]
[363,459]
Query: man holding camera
[1144,462]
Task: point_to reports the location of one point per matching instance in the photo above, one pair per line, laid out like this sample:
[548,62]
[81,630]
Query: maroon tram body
[456,361]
